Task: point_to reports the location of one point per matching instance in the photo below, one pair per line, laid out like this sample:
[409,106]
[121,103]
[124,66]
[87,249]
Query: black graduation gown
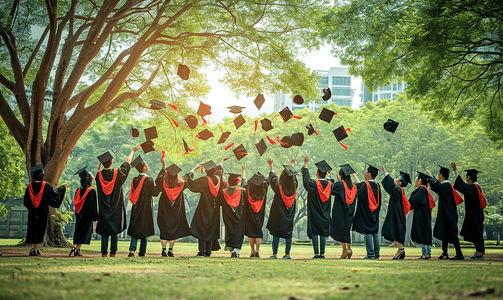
[234,220]
[342,214]
[446,226]
[171,216]
[253,221]
[112,212]
[365,220]
[393,228]
[421,222]
[280,223]
[318,213]
[473,224]
[141,221]
[84,220]
[38,217]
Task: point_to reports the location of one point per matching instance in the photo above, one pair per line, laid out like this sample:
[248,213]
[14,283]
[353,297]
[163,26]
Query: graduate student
[475,202]
[422,202]
[205,225]
[343,210]
[281,216]
[318,205]
[86,211]
[366,220]
[111,212]
[39,195]
[141,221]
[446,226]
[393,228]
[171,217]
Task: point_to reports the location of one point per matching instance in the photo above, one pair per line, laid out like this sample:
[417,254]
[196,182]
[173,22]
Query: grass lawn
[221,277]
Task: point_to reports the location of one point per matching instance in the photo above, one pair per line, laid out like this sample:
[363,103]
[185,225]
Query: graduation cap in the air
[323,166]
[391,126]
[326,115]
[223,137]
[204,109]
[235,109]
[259,101]
[444,171]
[405,177]
[138,163]
[298,99]
[135,132]
[173,169]
[82,172]
[297,139]
[340,133]
[147,146]
[286,114]
[257,179]
[183,71]
[471,172]
[150,133]
[156,104]
[261,146]
[191,121]
[310,129]
[239,121]
[327,94]
[205,134]
[186,147]
[372,170]
[209,165]
[266,124]
[240,152]
[37,169]
[233,179]
[103,158]
[286,141]
[290,171]
[347,169]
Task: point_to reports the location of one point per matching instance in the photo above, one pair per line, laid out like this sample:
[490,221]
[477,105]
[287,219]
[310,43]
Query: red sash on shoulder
[78,201]
[349,194]
[35,200]
[405,202]
[288,200]
[214,188]
[431,201]
[324,193]
[457,198]
[172,193]
[256,205]
[107,187]
[482,199]
[233,200]
[373,202]
[135,193]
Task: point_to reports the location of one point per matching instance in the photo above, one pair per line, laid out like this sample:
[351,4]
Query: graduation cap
[37,169]
[233,179]
[290,171]
[286,114]
[138,163]
[135,132]
[103,158]
[240,152]
[327,94]
[191,121]
[183,71]
[147,146]
[186,147]
[261,146]
[205,134]
[340,133]
[444,171]
[266,124]
[239,121]
[223,137]
[286,141]
[209,165]
[390,125]
[405,176]
[372,170]
[150,133]
[204,109]
[310,129]
[323,166]
[156,104]
[326,115]
[424,177]
[298,99]
[257,179]
[297,139]
[173,169]
[259,101]
[82,171]
[347,169]
[236,109]
[471,172]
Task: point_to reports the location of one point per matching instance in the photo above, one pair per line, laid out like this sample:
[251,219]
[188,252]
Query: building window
[340,80]
[393,97]
[395,86]
[385,96]
[336,91]
[399,87]
[323,81]
[376,97]
[386,88]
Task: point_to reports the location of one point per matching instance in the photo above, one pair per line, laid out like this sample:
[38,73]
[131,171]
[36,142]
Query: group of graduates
[356,207]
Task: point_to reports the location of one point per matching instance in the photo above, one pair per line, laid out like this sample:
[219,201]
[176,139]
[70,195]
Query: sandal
[72,251]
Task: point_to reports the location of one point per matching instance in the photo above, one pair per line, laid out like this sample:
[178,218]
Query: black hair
[322,174]
[472,176]
[373,172]
[85,179]
[37,176]
[444,173]
[346,179]
[107,164]
[403,181]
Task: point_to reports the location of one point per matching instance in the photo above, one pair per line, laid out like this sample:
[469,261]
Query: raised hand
[453,166]
[243,167]
[269,160]
[383,169]
[136,147]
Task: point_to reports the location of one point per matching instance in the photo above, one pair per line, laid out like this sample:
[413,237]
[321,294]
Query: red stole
[373,204]
[482,199]
[405,202]
[35,200]
[256,205]
[214,188]
[457,198]
[349,194]
[287,199]
[324,193]
[233,200]
[431,201]
[107,187]
[173,192]
[135,193]
[78,201]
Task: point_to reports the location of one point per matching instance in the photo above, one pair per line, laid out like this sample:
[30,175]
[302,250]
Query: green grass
[225,278]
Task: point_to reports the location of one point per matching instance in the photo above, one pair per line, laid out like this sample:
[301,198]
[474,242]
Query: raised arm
[309,184]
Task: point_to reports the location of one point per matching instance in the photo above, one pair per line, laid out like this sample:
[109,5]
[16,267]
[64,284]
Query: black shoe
[460,257]
[233,254]
[72,251]
[164,254]
[316,256]
[443,256]
[401,255]
[286,256]
[131,254]
[170,253]
[77,252]
[38,253]
[33,252]
[322,256]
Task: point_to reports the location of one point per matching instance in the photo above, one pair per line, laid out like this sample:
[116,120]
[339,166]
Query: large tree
[100,57]
[450,53]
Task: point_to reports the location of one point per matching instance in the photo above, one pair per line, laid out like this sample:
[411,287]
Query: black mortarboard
[240,152]
[138,163]
[310,129]
[183,71]
[186,147]
[205,134]
[257,179]
[81,170]
[424,177]
[209,165]
[286,114]
[297,139]
[347,169]
[444,171]
[204,109]
[173,169]
[266,124]
[290,171]
[223,137]
[236,109]
[156,104]
[259,101]
[103,158]
[261,147]
[286,141]
[239,121]
[390,125]
[472,172]
[298,99]
[191,121]
[135,132]
[326,115]
[340,133]
[147,147]
[233,179]
[327,94]
[150,133]
[323,166]
[372,170]
[37,169]
[405,176]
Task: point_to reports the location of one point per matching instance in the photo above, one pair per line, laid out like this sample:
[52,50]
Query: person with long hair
[86,211]
[421,203]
